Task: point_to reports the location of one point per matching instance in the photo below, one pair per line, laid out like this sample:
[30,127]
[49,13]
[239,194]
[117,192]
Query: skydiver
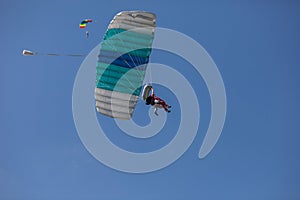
[157,102]
[87,34]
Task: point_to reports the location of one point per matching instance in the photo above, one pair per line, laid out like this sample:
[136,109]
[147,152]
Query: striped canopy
[122,62]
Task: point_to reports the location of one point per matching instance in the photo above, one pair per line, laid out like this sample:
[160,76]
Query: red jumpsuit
[158,100]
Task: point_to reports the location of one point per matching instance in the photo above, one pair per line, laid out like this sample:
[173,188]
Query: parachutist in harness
[156,101]
[83,24]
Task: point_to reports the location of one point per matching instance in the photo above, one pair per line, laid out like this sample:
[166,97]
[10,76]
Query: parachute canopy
[28,53]
[84,23]
[122,61]
[31,53]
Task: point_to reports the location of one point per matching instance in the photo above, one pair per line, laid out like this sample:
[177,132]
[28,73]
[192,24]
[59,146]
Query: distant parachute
[122,61]
[31,53]
[84,23]
[28,53]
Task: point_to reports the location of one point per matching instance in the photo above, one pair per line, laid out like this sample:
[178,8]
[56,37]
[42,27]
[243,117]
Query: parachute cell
[122,61]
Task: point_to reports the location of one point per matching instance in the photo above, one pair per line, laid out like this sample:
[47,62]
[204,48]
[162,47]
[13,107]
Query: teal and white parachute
[122,62]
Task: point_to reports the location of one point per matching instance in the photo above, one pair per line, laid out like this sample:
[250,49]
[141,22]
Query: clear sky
[255,45]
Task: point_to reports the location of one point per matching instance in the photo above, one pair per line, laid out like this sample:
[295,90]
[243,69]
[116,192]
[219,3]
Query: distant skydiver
[83,25]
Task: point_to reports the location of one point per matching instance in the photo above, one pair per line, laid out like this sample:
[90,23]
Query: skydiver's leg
[165,105]
[155,111]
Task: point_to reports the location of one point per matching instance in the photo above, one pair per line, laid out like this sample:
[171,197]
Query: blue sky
[255,45]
